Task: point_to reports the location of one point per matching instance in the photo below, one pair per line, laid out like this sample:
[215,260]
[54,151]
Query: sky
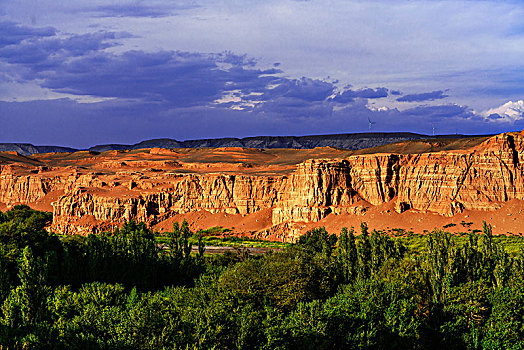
[79,73]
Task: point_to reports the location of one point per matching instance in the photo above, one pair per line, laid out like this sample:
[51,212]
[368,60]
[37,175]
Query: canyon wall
[479,178]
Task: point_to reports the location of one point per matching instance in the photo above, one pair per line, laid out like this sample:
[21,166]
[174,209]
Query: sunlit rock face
[89,192]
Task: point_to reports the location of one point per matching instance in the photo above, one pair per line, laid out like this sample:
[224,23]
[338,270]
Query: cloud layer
[425,96]
[12,33]
[187,83]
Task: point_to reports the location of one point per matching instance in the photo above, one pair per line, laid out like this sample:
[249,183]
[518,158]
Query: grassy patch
[417,243]
[224,237]
[233,241]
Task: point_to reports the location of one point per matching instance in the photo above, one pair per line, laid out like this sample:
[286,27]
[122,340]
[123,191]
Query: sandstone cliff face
[313,190]
[446,183]
[215,193]
[25,189]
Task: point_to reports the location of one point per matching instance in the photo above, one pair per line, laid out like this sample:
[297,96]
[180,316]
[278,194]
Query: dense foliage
[121,290]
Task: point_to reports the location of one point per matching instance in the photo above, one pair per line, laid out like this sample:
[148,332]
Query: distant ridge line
[351,141]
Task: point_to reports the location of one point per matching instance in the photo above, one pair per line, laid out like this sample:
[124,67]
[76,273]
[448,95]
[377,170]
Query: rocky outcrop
[24,189]
[215,193]
[480,178]
[314,189]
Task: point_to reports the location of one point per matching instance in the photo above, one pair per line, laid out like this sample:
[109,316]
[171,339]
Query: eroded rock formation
[89,192]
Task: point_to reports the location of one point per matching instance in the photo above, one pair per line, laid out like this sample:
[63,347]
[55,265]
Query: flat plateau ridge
[347,141]
[277,193]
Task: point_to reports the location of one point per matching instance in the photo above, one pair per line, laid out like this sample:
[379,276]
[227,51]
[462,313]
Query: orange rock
[285,183]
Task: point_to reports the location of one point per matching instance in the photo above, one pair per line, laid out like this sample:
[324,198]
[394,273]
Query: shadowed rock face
[344,141]
[27,149]
[89,192]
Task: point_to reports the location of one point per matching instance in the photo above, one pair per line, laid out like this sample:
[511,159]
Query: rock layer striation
[89,192]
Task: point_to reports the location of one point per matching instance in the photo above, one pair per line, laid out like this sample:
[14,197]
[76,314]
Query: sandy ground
[507,220]
[201,220]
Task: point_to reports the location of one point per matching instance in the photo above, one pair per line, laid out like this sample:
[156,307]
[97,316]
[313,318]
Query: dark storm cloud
[305,89]
[290,107]
[351,95]
[12,33]
[495,116]
[439,112]
[70,123]
[174,78]
[80,65]
[67,122]
[237,60]
[39,54]
[293,98]
[426,96]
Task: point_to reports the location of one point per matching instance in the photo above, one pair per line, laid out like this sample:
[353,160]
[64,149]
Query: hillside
[345,141]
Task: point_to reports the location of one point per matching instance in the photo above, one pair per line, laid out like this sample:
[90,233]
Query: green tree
[364,253]
[26,305]
[318,240]
[348,255]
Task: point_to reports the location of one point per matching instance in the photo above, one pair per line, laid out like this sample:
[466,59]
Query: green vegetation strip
[121,290]
[222,237]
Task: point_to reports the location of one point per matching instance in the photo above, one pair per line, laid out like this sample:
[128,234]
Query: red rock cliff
[94,192]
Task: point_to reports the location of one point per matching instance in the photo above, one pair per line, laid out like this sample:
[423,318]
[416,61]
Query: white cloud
[377,108]
[508,112]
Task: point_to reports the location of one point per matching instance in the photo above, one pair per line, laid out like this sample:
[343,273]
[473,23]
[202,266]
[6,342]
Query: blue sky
[78,73]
